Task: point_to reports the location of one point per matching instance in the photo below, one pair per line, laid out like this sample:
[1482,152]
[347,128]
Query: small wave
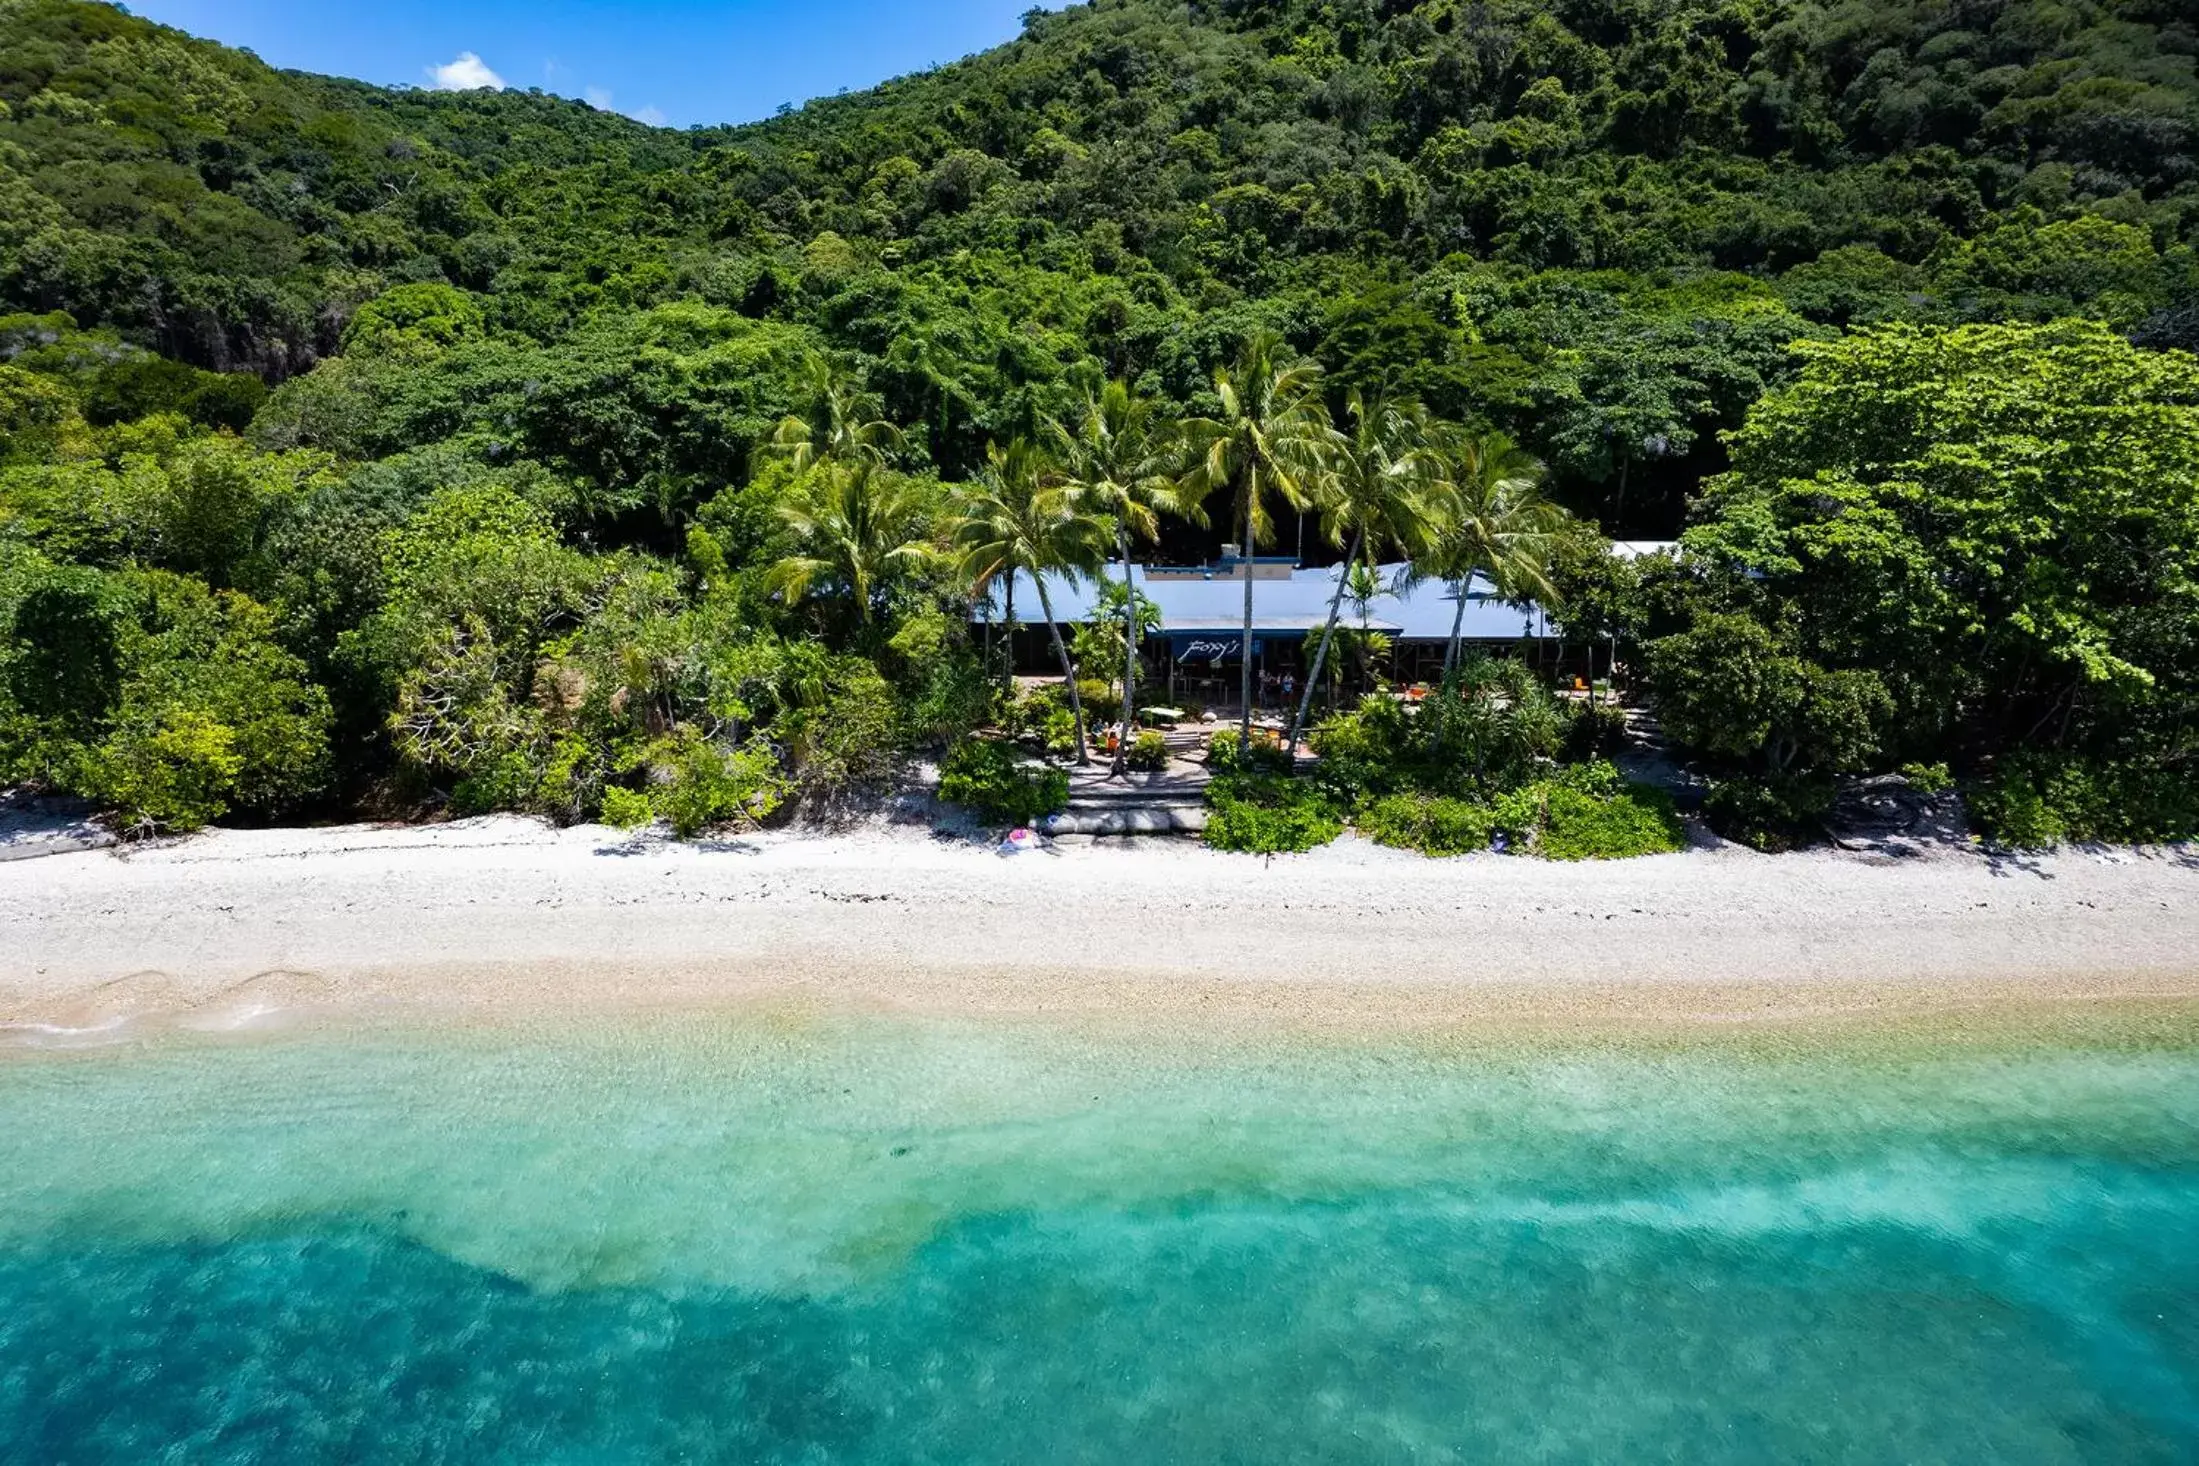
[239,1018]
[115,1029]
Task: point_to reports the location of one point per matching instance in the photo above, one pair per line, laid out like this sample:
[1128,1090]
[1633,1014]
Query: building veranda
[1392,627]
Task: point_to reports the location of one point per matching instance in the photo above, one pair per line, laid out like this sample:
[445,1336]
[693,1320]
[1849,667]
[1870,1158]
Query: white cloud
[469,73]
[599,98]
[650,116]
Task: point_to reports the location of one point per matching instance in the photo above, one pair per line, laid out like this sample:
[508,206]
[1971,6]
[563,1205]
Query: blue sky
[673,61]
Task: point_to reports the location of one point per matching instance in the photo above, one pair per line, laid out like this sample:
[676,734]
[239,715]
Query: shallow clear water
[833,1239]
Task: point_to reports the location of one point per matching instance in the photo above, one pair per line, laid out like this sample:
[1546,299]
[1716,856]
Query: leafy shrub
[1634,821]
[1770,814]
[1498,728]
[1431,824]
[506,780]
[573,774]
[1364,752]
[1102,704]
[992,782]
[2016,812]
[1581,813]
[954,696]
[173,771]
[167,703]
[2033,802]
[1595,730]
[627,810]
[850,737]
[1029,713]
[1149,753]
[1227,754]
[1268,814]
[711,784]
[1043,714]
[1928,778]
[1495,731]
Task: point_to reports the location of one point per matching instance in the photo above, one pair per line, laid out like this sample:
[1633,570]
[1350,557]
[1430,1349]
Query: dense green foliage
[1491,731]
[1477,766]
[1980,543]
[151,694]
[993,782]
[1596,223]
[461,423]
[1430,823]
[1473,767]
[1269,814]
[1147,754]
[1587,813]
[1581,812]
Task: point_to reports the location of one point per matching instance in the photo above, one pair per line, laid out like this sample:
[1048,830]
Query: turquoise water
[805,1238]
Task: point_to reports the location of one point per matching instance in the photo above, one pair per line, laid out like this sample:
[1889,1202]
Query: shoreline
[506,920]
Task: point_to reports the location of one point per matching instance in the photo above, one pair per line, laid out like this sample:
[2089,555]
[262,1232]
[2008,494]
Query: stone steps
[1172,803]
[1135,798]
[1129,821]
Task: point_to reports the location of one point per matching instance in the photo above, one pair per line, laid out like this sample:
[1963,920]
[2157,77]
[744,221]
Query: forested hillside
[1596,222]
[422,416]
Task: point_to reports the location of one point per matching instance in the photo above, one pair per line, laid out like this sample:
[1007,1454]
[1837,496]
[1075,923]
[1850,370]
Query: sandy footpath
[505,914]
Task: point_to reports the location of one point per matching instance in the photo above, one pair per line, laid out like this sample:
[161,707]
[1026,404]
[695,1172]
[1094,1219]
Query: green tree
[414,321]
[860,527]
[1999,524]
[166,703]
[475,585]
[840,422]
[1125,459]
[1271,441]
[1018,516]
[1378,500]
[1494,522]
[1734,687]
[35,416]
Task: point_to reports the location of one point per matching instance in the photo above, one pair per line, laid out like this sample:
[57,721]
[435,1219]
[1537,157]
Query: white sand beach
[506,916]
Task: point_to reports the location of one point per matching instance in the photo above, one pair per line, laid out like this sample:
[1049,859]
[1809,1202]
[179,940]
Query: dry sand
[505,918]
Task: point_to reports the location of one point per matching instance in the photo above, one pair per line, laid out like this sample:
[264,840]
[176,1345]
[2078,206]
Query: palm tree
[1272,440]
[1120,455]
[1378,497]
[1016,516]
[1498,525]
[840,423]
[859,526]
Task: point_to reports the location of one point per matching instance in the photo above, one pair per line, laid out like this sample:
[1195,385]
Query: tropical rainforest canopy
[371,445]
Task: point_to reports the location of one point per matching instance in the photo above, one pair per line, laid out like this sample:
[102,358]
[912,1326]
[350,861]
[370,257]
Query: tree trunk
[1244,566]
[1008,671]
[1129,659]
[1328,634]
[1068,668]
[1618,514]
[1458,629]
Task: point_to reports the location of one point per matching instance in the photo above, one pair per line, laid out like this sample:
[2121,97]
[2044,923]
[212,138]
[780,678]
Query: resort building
[1198,648]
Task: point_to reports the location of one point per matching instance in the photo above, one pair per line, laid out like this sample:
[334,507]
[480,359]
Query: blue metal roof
[1411,613]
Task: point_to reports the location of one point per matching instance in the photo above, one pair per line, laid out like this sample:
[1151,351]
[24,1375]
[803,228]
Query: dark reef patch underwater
[841,1239]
